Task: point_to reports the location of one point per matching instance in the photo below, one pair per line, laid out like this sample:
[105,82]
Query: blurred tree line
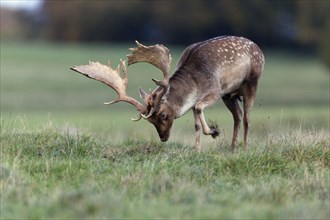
[298,24]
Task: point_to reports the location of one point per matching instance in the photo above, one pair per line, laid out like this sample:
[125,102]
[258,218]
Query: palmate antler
[157,55]
[112,78]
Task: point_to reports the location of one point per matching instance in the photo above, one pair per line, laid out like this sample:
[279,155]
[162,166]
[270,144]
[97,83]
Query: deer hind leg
[198,127]
[233,106]
[248,100]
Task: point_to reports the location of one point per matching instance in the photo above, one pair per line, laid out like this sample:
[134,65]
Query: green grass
[66,155]
[36,77]
[67,173]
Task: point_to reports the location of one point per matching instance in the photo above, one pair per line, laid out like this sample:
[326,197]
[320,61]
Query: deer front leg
[198,127]
[199,107]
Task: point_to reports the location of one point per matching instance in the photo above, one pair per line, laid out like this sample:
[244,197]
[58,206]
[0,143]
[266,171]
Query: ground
[66,155]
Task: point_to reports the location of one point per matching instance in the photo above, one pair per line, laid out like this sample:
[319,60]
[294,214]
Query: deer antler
[159,56]
[112,78]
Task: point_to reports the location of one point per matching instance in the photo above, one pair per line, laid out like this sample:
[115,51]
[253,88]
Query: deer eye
[163,116]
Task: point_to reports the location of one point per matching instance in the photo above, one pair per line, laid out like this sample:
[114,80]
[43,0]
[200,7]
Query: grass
[36,77]
[65,155]
[68,173]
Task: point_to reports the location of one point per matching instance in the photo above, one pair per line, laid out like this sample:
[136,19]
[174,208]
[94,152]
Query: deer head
[154,109]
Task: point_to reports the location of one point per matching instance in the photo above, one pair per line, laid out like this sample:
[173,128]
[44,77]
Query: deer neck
[181,95]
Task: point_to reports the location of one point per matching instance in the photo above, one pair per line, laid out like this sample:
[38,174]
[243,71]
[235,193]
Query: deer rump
[225,67]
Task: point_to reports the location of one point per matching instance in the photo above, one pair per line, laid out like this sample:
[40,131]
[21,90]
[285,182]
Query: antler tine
[137,119]
[112,78]
[157,55]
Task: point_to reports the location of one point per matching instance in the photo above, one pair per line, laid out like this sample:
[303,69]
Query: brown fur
[223,67]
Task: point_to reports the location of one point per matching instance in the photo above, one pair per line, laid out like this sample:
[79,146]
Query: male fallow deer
[224,67]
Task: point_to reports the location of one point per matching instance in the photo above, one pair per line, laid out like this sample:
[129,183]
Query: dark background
[301,25]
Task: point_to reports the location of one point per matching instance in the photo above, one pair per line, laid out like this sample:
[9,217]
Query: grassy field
[66,155]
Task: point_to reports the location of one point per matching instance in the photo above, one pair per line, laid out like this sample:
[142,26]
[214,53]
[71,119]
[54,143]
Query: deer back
[220,64]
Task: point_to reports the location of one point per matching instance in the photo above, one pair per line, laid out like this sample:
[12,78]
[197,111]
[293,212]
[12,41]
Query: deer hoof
[214,132]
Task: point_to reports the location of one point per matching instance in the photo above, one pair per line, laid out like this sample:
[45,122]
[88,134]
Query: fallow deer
[226,67]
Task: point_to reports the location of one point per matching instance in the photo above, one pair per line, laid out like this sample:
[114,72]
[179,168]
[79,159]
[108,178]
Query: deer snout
[164,139]
[164,136]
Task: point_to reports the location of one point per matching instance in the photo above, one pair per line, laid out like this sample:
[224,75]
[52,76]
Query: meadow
[66,155]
